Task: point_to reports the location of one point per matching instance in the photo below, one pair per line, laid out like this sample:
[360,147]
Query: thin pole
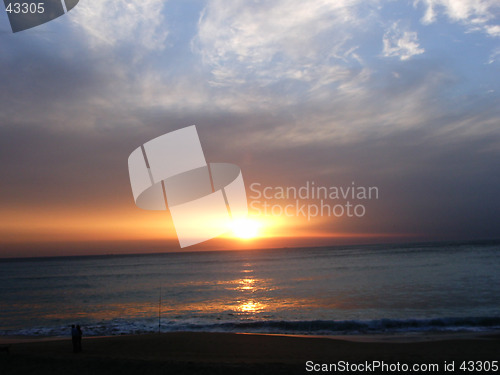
[159,311]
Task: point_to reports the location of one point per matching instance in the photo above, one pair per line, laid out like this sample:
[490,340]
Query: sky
[399,95]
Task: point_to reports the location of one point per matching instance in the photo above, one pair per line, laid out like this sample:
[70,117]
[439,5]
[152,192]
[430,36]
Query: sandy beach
[228,353]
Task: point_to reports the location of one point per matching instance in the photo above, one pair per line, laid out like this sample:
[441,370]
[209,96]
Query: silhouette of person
[74,338]
[79,334]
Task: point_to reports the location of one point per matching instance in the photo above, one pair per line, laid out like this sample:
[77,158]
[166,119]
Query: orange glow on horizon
[132,230]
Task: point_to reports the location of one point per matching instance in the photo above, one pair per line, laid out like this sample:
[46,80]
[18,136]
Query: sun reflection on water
[255,286]
[247,284]
[251,307]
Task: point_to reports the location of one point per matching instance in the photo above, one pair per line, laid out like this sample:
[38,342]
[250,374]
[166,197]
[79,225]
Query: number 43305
[25,8]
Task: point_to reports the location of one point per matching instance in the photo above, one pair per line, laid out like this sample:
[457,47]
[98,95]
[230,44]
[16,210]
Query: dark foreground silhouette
[226,353]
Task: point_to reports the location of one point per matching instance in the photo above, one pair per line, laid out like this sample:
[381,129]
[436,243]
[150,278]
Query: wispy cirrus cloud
[264,42]
[493,30]
[495,56]
[477,15]
[114,22]
[401,43]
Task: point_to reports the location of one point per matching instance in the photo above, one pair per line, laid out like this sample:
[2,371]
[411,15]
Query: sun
[245,228]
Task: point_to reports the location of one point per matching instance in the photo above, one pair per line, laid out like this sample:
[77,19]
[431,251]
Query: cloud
[264,42]
[476,14]
[493,30]
[495,55]
[289,91]
[112,22]
[401,43]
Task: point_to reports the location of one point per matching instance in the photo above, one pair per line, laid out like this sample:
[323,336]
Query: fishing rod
[159,311]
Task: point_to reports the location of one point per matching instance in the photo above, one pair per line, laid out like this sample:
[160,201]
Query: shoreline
[407,337]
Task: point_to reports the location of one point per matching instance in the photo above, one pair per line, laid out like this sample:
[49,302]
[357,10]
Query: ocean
[366,289]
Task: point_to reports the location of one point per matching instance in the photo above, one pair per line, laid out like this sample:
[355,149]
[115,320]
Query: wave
[303,327]
[359,326]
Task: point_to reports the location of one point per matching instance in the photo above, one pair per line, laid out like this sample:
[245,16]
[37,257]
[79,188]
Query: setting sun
[245,228]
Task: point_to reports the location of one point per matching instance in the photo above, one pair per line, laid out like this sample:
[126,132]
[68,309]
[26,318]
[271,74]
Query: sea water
[329,290]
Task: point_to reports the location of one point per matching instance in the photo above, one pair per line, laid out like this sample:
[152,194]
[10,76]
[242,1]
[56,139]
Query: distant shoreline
[160,247]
